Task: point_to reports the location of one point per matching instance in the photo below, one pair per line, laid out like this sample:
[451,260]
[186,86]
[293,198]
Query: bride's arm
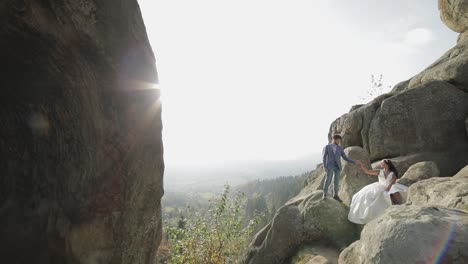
[370,172]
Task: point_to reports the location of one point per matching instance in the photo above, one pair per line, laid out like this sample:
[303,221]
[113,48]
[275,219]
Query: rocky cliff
[80,134]
[422,126]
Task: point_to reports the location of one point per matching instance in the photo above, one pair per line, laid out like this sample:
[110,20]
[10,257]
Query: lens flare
[445,245]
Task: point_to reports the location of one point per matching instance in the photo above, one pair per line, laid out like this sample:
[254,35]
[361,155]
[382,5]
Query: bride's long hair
[391,167]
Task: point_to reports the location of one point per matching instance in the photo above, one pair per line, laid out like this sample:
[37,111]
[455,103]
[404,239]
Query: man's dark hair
[335,137]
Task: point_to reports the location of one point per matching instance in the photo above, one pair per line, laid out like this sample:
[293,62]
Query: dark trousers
[336,172]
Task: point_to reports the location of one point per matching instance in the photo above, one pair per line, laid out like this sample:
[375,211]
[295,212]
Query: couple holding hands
[372,200]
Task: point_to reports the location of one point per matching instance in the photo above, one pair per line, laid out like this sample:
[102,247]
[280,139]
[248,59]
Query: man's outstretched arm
[343,155]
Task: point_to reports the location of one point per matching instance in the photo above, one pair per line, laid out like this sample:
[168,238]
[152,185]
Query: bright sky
[263,79]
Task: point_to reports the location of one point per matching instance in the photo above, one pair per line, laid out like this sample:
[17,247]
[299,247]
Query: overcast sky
[263,79]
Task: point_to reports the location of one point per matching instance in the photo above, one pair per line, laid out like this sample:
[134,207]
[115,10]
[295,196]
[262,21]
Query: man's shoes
[337,198]
[324,197]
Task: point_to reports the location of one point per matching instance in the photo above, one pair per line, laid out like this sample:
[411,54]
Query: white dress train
[372,200]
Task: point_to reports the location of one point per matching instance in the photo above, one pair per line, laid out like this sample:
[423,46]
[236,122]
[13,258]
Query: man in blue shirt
[332,154]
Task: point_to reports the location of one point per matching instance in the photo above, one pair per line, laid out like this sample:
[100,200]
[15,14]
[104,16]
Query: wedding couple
[372,200]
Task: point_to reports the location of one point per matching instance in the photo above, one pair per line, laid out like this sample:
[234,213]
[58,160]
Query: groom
[332,154]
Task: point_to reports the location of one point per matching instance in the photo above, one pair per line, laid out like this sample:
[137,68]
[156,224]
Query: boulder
[463,173]
[441,191]
[354,126]
[352,177]
[314,181]
[315,254]
[277,241]
[451,68]
[413,122]
[355,107]
[412,234]
[327,220]
[402,86]
[420,171]
[307,219]
[319,260]
[453,14]
[82,159]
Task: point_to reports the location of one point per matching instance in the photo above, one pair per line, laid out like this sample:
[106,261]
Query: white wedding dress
[372,200]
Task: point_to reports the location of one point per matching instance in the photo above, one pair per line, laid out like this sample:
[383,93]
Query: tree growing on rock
[377,88]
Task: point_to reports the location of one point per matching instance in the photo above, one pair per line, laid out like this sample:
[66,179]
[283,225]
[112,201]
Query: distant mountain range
[213,178]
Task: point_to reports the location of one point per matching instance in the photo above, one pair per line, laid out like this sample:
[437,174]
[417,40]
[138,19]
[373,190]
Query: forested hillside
[266,196]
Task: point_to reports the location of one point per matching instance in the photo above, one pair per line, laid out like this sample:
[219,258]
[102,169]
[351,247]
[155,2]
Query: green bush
[219,236]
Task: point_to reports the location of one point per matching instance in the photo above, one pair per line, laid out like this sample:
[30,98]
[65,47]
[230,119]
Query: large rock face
[397,125]
[81,163]
[412,234]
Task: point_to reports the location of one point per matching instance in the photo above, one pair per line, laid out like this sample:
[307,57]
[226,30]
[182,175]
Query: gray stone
[453,14]
[440,191]
[279,239]
[463,173]
[302,220]
[352,177]
[400,87]
[420,171]
[314,181]
[319,260]
[327,221]
[315,254]
[412,234]
[466,125]
[420,120]
[355,107]
[354,126]
[451,68]
[82,157]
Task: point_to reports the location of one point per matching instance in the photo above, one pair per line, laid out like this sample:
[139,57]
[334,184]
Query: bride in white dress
[372,200]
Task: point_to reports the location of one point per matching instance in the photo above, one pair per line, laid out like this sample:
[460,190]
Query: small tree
[376,89]
[220,236]
[181,222]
